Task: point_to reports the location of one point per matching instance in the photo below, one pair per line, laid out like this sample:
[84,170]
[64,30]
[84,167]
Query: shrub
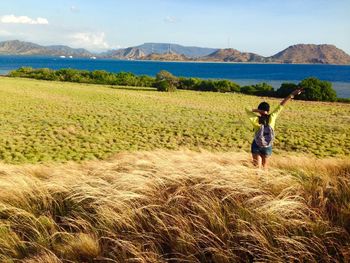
[164,86]
[189,83]
[344,100]
[165,81]
[285,90]
[235,87]
[126,79]
[226,86]
[146,81]
[250,90]
[72,75]
[207,85]
[21,72]
[261,89]
[103,77]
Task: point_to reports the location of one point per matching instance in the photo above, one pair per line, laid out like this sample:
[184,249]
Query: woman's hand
[291,96]
[297,91]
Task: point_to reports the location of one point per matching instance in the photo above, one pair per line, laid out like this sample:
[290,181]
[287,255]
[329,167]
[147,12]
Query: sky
[264,27]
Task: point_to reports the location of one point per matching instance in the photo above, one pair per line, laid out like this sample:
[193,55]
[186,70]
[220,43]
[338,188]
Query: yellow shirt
[254,119]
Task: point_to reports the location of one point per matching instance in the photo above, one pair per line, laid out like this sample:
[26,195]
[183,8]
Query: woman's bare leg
[264,159]
[257,160]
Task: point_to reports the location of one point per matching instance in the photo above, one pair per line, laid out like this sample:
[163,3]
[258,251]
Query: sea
[241,73]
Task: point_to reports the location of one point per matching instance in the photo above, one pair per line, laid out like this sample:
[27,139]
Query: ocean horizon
[241,73]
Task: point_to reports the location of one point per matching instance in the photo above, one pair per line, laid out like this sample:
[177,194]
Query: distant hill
[321,54]
[159,48]
[125,53]
[166,48]
[232,55]
[16,47]
[301,54]
[167,57]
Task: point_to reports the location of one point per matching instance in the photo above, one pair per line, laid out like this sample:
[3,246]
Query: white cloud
[12,19]
[170,20]
[74,9]
[90,40]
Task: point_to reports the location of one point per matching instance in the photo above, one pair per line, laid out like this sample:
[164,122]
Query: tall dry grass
[178,206]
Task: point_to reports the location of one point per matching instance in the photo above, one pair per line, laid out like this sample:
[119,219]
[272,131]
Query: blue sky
[261,26]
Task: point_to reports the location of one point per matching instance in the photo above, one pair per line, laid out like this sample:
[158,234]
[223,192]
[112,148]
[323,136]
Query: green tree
[318,90]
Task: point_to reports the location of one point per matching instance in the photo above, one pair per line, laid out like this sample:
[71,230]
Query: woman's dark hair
[264,106]
[264,119]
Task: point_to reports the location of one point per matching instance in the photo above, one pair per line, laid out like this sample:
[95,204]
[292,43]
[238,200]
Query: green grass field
[54,121]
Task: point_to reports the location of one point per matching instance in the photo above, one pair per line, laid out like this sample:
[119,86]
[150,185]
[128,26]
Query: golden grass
[176,206]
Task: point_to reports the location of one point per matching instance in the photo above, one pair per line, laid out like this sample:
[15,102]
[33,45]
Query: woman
[264,125]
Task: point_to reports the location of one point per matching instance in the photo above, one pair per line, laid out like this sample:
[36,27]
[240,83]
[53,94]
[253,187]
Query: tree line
[315,89]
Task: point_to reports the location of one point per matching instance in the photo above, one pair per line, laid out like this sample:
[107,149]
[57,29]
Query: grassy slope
[43,121]
[175,207]
[159,206]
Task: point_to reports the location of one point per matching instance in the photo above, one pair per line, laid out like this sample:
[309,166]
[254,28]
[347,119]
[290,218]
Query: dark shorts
[266,151]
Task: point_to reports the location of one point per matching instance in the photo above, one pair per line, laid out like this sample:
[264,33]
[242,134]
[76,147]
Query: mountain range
[16,47]
[300,53]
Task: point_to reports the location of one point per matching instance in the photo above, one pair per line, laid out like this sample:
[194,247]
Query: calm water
[243,74]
